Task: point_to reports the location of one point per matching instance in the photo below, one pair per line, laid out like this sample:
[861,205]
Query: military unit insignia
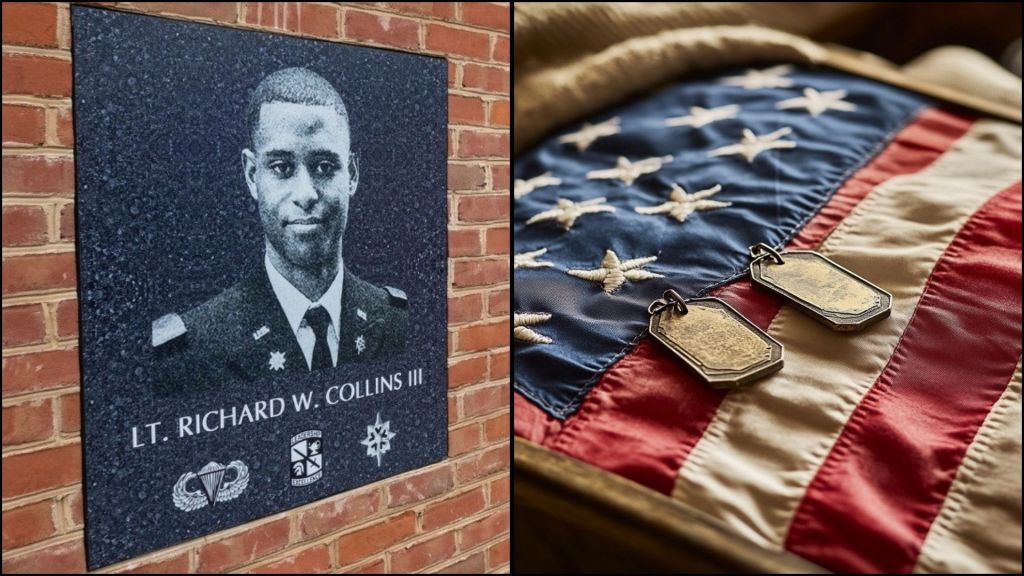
[307,458]
[212,486]
[263,331]
[378,439]
[277,360]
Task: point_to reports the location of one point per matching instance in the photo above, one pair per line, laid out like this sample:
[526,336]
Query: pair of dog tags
[727,350]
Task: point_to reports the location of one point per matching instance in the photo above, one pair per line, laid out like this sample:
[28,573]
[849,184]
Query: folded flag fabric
[892,449]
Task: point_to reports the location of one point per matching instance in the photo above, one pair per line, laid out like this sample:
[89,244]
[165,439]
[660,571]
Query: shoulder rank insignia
[167,328]
[398,297]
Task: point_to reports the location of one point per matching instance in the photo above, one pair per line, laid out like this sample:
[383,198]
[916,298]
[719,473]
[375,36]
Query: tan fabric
[967,70]
[552,32]
[766,442]
[979,526]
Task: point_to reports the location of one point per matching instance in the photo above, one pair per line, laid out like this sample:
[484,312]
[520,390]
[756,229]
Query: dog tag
[819,287]
[723,348]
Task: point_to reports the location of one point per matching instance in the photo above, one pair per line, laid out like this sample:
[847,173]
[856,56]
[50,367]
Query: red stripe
[532,423]
[645,414]
[873,500]
[913,149]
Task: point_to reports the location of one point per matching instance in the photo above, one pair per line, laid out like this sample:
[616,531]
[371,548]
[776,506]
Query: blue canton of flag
[610,213]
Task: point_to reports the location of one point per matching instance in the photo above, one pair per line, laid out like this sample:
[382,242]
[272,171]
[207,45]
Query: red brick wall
[450,516]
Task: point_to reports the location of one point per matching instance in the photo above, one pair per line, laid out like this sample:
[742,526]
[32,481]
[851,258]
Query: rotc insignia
[360,344]
[307,458]
[361,314]
[378,439]
[216,483]
[277,360]
[263,331]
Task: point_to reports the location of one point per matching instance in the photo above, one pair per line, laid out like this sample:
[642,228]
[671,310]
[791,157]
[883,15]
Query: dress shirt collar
[295,303]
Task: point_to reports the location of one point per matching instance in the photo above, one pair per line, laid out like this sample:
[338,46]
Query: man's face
[299,175]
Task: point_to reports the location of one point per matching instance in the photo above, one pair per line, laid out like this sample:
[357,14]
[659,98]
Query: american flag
[894,449]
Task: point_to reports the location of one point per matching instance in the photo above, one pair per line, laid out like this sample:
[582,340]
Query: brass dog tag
[826,291]
[724,348]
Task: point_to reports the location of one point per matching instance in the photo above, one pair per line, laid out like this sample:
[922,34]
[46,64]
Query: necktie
[318,319]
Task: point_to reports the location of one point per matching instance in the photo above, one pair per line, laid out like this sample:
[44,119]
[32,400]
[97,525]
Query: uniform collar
[295,303]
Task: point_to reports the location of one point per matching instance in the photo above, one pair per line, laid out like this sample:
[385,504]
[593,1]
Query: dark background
[165,222]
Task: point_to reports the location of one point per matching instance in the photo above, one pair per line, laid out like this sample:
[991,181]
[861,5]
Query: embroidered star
[751,145]
[817,102]
[360,344]
[628,171]
[566,212]
[529,260]
[681,204]
[277,360]
[524,187]
[590,132]
[612,274]
[703,116]
[773,77]
[522,320]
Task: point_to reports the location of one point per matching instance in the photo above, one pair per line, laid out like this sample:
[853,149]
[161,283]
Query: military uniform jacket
[243,335]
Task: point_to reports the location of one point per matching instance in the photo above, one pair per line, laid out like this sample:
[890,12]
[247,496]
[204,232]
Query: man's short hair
[297,86]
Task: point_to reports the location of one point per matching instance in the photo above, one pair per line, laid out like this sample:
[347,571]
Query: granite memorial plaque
[261,236]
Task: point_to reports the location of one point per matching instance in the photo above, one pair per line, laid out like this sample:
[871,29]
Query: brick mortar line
[37,546]
[58,53]
[487,92]
[38,297]
[35,200]
[51,248]
[28,500]
[20,198]
[44,347]
[480,419]
[492,158]
[480,290]
[471,162]
[482,354]
[31,99]
[22,449]
[460,192]
[460,389]
[39,151]
[63,25]
[479,128]
[463,353]
[503,284]
[15,400]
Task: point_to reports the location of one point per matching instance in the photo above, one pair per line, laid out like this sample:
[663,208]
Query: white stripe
[978,528]
[766,442]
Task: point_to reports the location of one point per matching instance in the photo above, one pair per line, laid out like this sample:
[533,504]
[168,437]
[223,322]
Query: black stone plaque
[261,235]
